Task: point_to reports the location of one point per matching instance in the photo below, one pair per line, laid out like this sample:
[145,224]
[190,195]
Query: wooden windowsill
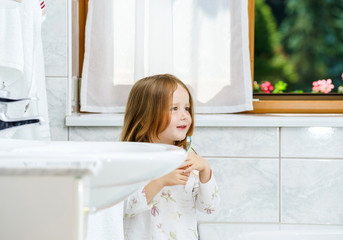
[302,106]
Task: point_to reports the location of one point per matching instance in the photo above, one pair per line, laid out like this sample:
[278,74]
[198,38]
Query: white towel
[11,44]
[106,224]
[42,6]
[31,83]
[38,85]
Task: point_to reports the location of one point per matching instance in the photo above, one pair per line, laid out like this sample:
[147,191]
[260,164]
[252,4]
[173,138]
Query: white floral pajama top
[172,212]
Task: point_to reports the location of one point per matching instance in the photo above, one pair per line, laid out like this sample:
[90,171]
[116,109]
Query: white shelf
[221,120]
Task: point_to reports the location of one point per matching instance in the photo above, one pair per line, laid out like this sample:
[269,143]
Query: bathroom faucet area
[8,122]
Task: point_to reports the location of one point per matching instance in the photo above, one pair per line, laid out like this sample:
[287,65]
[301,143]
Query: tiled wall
[54,37]
[312,175]
[289,175]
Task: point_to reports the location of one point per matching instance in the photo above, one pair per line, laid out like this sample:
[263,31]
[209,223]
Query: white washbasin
[113,170]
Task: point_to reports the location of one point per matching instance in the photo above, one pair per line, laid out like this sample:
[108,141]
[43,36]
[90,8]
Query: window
[290,102]
[264,103]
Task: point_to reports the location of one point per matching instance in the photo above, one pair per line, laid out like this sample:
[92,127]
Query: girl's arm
[140,200]
[152,188]
[205,191]
[206,196]
[135,203]
[176,177]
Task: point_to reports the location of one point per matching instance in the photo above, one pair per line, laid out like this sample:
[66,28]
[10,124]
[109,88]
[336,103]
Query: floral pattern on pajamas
[171,214]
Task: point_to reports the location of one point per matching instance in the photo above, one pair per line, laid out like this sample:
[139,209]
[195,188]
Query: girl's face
[180,118]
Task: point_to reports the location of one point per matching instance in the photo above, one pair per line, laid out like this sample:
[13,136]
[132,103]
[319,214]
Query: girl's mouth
[182,127]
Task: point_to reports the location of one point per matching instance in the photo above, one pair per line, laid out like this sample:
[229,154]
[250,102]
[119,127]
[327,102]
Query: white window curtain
[204,43]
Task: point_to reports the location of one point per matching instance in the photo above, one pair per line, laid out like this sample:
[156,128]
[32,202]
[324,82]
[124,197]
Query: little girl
[160,110]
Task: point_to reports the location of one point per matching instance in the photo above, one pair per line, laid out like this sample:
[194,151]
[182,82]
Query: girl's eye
[174,109]
[187,109]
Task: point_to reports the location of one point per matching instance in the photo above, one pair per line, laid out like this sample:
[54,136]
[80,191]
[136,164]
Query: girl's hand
[196,162]
[176,177]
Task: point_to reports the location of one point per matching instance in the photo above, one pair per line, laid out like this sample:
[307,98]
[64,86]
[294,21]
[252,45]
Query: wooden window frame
[288,103]
[301,103]
[83,10]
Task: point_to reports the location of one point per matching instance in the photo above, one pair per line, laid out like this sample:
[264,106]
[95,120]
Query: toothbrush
[190,140]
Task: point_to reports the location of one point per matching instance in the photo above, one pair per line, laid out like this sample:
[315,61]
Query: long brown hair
[147,110]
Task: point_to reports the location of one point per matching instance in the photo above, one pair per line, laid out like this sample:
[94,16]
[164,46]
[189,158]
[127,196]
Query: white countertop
[222,120]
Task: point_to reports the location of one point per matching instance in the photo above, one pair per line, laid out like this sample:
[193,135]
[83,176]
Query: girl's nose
[183,115]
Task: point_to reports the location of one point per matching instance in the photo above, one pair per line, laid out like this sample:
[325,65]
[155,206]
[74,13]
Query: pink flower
[154,211]
[209,210]
[266,87]
[322,86]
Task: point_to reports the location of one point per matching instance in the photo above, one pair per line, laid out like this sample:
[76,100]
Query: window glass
[298,46]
